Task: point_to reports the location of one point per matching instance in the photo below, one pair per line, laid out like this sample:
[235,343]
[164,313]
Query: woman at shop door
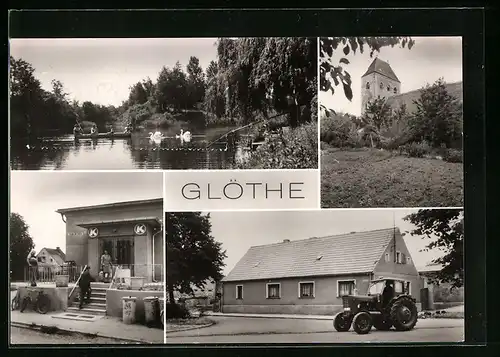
[106,265]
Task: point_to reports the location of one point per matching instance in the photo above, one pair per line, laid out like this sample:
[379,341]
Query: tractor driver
[388,292]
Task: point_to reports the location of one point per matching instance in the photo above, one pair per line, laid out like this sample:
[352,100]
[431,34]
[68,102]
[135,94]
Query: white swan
[185,136]
[156,137]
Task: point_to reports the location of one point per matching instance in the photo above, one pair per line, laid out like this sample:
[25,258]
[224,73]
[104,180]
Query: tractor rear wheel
[404,314]
[382,323]
[342,322]
[362,323]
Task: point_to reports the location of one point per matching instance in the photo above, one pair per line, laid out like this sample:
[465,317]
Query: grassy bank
[188,323]
[373,178]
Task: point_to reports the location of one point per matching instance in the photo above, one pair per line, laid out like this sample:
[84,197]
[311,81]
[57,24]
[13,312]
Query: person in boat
[93,130]
[77,130]
[111,132]
[128,128]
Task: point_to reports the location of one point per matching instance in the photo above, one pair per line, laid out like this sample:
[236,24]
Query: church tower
[379,80]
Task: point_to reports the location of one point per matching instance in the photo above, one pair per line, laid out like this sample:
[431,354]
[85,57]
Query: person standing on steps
[106,267]
[84,285]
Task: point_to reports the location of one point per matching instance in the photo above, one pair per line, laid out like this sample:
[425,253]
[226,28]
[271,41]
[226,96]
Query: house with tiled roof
[51,258]
[310,276]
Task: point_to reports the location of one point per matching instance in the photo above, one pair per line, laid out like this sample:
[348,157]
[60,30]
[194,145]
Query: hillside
[455,89]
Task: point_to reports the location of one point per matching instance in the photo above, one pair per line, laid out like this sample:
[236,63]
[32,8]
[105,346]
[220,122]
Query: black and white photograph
[86,258]
[391,122]
[163,103]
[316,276]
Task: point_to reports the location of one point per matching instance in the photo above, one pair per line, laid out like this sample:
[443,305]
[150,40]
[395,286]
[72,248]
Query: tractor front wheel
[404,314]
[362,323]
[342,322]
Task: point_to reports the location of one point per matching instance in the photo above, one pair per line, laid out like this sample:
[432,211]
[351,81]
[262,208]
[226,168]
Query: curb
[197,327]
[306,317]
[39,328]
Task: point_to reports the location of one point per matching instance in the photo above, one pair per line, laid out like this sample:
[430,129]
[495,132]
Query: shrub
[417,149]
[176,311]
[294,149]
[453,155]
[339,130]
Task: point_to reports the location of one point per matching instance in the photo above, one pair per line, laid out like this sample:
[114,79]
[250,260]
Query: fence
[47,274]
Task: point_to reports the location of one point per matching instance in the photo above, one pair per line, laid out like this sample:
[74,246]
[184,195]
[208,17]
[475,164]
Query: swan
[186,136]
[156,137]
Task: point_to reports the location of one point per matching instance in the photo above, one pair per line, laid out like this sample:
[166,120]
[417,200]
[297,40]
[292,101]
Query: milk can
[129,304]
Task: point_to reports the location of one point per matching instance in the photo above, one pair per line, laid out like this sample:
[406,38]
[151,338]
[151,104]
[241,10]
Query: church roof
[383,68]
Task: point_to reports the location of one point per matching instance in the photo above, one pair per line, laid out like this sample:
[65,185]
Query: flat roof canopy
[154,221]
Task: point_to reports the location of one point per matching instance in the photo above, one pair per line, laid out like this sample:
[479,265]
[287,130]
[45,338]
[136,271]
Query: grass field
[372,178]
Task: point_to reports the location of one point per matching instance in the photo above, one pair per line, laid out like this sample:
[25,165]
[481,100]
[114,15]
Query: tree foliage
[21,244]
[36,112]
[193,255]
[438,118]
[263,76]
[333,74]
[447,226]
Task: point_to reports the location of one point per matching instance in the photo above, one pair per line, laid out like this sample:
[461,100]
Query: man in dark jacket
[388,292]
[84,285]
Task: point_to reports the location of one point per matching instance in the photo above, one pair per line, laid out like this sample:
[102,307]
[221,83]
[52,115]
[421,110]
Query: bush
[339,130]
[453,155]
[294,149]
[417,149]
[176,311]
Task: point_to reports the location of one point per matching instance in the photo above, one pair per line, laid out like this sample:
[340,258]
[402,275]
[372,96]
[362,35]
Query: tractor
[383,307]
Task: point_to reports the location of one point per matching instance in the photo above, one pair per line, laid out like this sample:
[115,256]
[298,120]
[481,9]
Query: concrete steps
[97,303]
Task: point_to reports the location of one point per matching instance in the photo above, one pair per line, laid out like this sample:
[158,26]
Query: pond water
[137,152]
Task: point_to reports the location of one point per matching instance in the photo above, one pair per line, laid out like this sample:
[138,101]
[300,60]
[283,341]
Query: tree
[195,81]
[438,117]
[334,74]
[138,94]
[447,226]
[377,113]
[266,75]
[171,88]
[58,90]
[21,244]
[193,256]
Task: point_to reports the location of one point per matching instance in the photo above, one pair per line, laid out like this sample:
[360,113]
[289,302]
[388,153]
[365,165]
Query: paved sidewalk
[109,327]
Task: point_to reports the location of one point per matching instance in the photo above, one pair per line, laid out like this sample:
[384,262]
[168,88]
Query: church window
[395,90]
[367,85]
[388,88]
[381,85]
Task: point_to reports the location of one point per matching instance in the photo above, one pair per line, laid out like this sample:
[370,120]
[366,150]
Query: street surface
[265,330]
[21,336]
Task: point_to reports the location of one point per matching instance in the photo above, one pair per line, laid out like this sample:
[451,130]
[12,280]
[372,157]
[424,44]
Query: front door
[121,250]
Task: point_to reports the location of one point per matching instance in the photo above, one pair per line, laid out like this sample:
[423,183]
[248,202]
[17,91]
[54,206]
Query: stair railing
[118,267]
[76,284]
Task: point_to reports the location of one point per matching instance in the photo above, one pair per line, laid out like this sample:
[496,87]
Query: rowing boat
[123,135]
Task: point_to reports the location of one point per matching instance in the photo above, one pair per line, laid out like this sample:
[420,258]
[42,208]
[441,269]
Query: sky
[36,195]
[238,231]
[428,60]
[102,70]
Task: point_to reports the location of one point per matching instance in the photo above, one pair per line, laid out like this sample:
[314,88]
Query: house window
[387,257]
[367,85]
[306,289]
[273,291]
[408,260]
[345,287]
[398,257]
[395,90]
[239,292]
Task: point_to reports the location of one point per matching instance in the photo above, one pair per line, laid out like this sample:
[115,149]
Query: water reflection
[137,152]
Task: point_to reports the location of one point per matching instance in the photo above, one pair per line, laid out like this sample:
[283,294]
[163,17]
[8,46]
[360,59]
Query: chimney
[286,240]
